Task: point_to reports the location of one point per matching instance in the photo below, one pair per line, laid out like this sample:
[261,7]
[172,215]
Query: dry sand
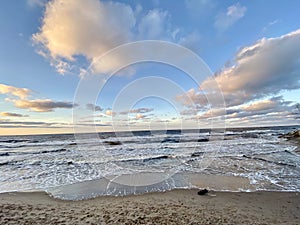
[174,207]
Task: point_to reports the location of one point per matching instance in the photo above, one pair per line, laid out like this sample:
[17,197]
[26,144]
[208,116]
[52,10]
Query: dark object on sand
[203,192]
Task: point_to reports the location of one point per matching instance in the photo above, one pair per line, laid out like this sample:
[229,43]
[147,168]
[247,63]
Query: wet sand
[173,207]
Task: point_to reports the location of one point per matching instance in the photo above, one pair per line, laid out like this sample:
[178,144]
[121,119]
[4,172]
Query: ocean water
[123,163]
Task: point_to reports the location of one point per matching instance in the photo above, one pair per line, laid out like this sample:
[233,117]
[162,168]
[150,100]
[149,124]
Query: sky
[53,76]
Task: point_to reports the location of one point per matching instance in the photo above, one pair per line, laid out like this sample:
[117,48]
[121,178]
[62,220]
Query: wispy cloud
[191,41]
[140,116]
[138,110]
[154,25]
[20,98]
[93,107]
[273,106]
[22,93]
[41,105]
[269,25]
[193,98]
[30,124]
[9,114]
[110,113]
[189,112]
[232,15]
[34,3]
[198,8]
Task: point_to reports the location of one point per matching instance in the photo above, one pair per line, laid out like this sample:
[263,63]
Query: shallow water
[47,162]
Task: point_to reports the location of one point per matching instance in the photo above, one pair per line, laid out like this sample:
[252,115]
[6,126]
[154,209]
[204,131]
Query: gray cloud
[93,107]
[263,69]
[24,122]
[29,124]
[139,110]
[189,112]
[19,97]
[259,72]
[9,114]
[14,91]
[273,106]
[193,99]
[41,105]
[93,124]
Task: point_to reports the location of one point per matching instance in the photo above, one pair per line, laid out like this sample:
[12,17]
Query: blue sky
[252,48]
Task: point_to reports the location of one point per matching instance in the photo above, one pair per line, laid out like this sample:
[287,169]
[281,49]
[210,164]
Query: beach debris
[203,192]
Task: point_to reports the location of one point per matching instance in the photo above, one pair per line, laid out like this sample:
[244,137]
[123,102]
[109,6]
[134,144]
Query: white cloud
[154,25]
[211,113]
[261,105]
[19,97]
[14,91]
[232,15]
[273,106]
[259,72]
[77,27]
[265,68]
[110,113]
[9,114]
[193,98]
[269,25]
[90,28]
[139,116]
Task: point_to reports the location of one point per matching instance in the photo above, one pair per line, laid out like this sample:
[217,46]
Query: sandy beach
[173,207]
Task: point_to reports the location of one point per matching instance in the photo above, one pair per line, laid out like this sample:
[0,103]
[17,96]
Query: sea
[75,167]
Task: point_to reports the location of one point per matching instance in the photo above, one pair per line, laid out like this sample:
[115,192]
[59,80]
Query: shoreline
[119,186]
[171,207]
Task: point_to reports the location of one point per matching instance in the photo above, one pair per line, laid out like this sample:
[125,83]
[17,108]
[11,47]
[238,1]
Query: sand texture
[174,207]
